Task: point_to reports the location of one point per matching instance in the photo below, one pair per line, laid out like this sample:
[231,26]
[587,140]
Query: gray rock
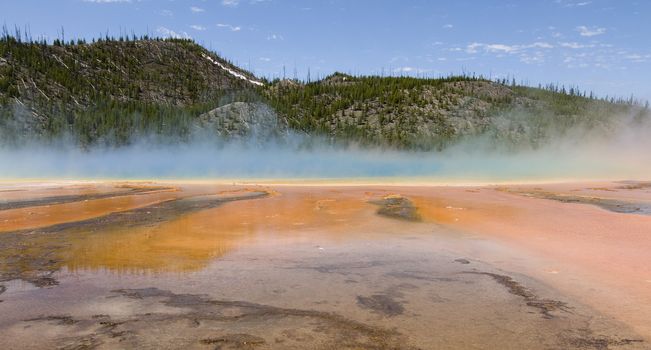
[244,120]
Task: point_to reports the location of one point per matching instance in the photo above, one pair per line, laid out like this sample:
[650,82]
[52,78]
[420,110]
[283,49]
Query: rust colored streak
[35,217]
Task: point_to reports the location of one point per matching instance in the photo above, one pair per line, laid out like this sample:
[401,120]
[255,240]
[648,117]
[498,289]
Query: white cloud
[166,32]
[235,3]
[500,48]
[448,26]
[572,45]
[532,58]
[413,70]
[637,58]
[405,69]
[275,37]
[167,13]
[196,9]
[554,32]
[575,45]
[585,31]
[527,53]
[573,3]
[472,48]
[475,47]
[399,58]
[540,45]
[198,27]
[232,28]
[575,62]
[265,59]
[508,49]
[106,1]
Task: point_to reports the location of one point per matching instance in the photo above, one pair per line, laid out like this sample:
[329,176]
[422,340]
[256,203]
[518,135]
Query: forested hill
[112,91]
[115,86]
[418,113]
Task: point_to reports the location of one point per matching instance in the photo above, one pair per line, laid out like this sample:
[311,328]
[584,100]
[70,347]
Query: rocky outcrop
[243,120]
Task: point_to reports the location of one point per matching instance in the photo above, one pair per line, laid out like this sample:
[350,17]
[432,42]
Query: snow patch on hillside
[232,72]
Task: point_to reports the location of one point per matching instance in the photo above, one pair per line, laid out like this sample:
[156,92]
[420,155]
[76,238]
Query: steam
[621,151]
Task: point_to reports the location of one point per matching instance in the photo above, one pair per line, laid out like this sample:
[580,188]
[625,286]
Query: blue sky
[600,45]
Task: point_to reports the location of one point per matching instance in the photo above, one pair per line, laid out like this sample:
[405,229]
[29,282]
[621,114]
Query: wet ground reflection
[358,267]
